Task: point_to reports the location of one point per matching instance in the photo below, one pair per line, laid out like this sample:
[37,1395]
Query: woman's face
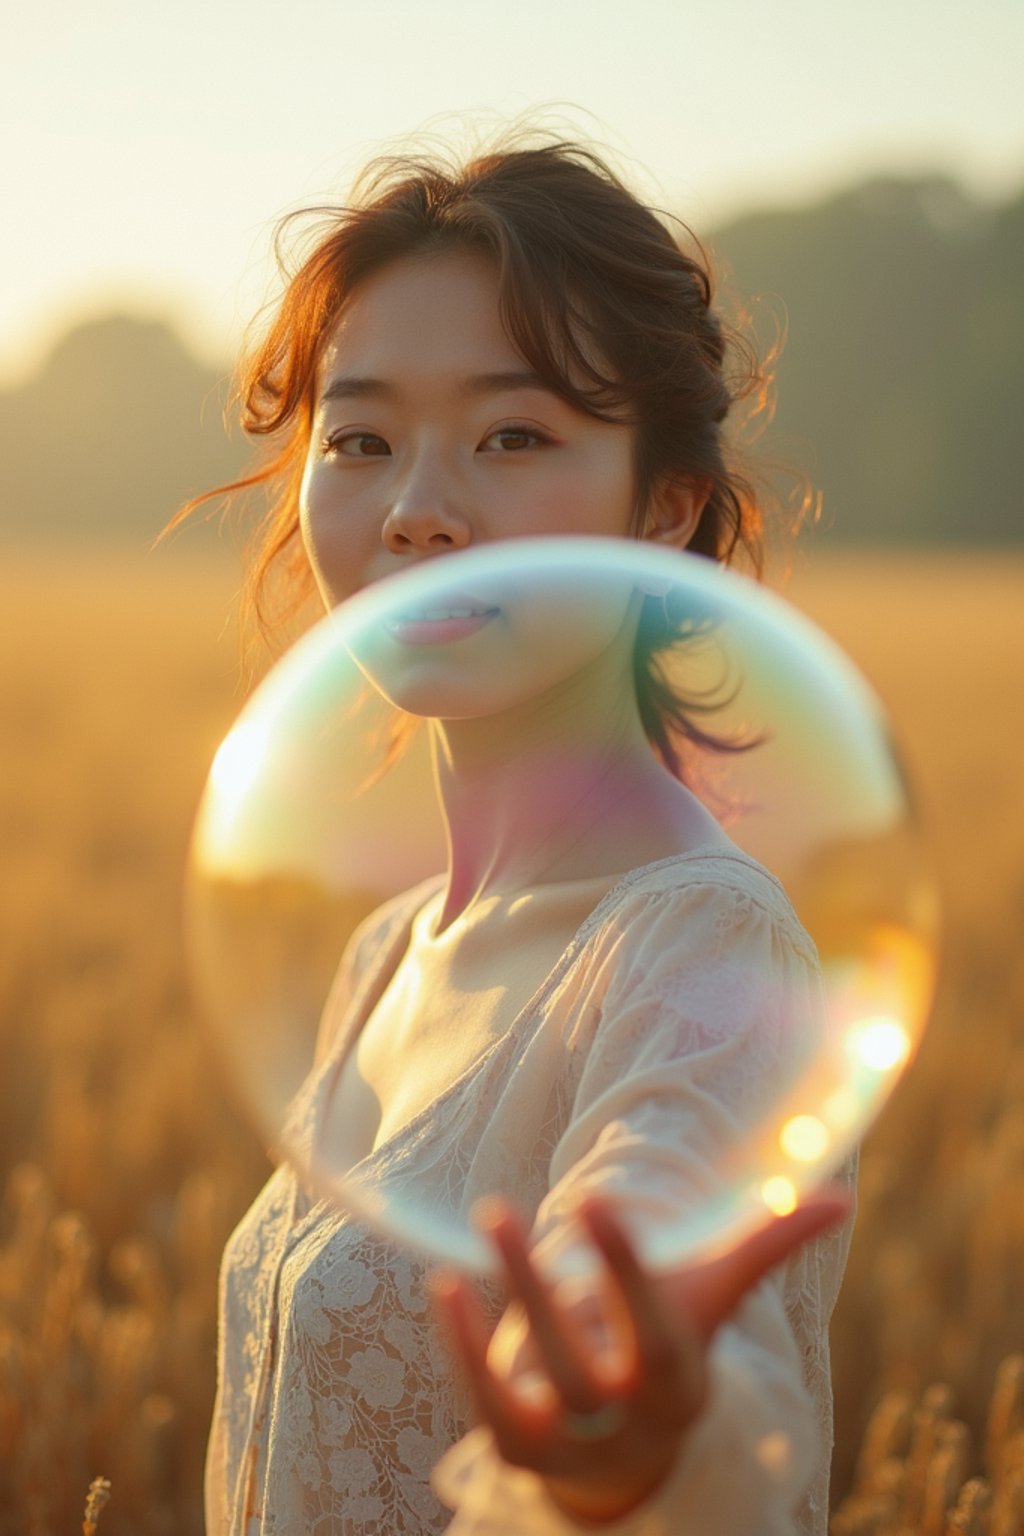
[431,435]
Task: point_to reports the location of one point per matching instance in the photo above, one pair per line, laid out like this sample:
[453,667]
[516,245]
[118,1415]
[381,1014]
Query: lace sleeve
[698,1005]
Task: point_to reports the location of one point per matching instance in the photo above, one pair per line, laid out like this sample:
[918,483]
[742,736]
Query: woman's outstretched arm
[700,1401]
[601,1414]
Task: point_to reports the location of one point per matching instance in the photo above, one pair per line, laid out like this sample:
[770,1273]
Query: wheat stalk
[97,1497]
[973,1510]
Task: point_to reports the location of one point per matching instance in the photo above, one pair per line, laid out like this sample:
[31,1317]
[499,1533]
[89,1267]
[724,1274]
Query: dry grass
[127,1167]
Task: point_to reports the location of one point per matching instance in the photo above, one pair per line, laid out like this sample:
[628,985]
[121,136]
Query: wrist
[597,1502]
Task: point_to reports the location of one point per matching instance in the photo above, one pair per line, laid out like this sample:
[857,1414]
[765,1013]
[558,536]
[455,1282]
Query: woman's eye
[357,445]
[513,439]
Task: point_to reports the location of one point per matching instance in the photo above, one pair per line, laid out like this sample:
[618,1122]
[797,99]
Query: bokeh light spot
[804,1138]
[879,1043]
[779,1195]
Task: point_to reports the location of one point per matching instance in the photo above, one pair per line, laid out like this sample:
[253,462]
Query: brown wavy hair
[600,298]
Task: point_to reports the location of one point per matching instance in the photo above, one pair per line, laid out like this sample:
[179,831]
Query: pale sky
[149,147]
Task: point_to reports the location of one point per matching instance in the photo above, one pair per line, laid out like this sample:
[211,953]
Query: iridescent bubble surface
[323,803]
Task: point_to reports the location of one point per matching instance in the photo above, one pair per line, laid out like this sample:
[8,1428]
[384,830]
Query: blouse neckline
[394,1145]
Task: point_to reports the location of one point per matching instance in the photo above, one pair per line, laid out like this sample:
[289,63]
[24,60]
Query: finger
[664,1347]
[712,1291]
[631,1284]
[495,1403]
[555,1335]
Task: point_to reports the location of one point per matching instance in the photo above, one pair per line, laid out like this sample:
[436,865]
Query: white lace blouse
[338,1412]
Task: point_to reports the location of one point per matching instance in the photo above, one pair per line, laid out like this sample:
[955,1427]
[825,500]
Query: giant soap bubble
[324,809]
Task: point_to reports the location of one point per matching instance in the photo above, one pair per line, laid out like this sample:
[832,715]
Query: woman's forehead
[444,306]
[432,321]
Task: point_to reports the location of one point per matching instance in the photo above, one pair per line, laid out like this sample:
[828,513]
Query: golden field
[125,1166]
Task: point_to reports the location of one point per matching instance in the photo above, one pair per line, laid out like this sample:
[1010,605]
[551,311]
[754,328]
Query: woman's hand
[595,1389]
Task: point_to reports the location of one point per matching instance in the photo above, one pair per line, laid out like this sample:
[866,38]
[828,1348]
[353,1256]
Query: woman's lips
[439,623]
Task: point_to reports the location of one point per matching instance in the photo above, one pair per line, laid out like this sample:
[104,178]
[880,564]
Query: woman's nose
[423,517]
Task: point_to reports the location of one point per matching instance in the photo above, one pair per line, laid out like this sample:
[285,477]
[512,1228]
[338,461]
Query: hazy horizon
[21,366]
[157,150]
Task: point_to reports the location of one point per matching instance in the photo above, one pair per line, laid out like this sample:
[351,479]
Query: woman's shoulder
[720,872]
[716,898]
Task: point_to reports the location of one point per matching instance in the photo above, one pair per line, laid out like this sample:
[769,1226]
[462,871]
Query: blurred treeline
[899,387]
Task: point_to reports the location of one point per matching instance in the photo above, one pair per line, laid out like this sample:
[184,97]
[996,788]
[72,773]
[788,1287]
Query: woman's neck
[564,788]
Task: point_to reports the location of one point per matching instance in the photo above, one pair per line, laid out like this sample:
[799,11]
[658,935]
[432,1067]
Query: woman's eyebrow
[349,386]
[504,383]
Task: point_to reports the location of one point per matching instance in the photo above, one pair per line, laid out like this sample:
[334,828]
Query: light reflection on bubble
[779,1195]
[804,1138]
[239,761]
[879,1043]
[304,831]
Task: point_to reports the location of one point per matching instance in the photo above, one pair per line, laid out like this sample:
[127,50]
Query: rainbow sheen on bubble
[321,805]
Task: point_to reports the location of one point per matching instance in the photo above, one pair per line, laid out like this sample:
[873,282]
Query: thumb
[709,1292]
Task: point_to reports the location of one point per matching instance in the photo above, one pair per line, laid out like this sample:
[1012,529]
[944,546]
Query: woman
[517,347]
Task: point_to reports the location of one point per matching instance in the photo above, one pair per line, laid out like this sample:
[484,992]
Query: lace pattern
[336,1395]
